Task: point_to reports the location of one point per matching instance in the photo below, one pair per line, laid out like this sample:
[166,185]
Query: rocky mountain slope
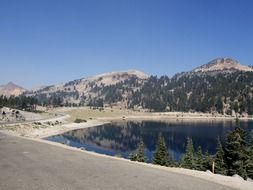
[11,89]
[114,87]
[218,66]
[222,65]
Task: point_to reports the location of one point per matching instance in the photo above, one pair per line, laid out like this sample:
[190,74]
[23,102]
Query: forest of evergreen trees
[235,156]
[222,93]
[19,102]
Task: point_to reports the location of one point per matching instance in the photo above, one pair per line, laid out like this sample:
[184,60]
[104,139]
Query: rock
[11,89]
[208,171]
[237,176]
[249,179]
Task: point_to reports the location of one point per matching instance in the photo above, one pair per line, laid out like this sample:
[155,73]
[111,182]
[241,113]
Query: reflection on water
[121,138]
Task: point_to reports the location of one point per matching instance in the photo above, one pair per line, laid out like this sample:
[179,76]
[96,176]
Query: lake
[122,138]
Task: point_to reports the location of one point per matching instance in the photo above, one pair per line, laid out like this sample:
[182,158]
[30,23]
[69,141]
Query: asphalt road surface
[30,165]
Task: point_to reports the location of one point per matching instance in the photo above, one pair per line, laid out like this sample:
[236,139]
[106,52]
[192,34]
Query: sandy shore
[65,128]
[47,128]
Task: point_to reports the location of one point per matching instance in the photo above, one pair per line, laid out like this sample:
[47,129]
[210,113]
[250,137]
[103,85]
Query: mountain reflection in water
[122,138]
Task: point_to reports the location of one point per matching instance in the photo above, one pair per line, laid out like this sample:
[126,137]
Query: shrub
[77,120]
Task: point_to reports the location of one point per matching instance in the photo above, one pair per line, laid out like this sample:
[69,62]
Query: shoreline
[41,132]
[101,121]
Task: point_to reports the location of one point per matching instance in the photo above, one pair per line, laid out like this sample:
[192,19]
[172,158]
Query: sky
[45,42]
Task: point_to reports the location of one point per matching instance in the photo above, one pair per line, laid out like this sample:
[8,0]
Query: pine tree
[141,152]
[139,155]
[133,156]
[199,160]
[240,131]
[161,155]
[249,162]
[207,161]
[188,159]
[220,166]
[235,152]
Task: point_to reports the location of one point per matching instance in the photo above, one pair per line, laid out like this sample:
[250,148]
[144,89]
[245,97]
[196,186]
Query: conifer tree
[161,155]
[188,159]
[235,152]
[141,152]
[207,161]
[220,165]
[133,156]
[139,155]
[199,160]
[249,162]
[240,131]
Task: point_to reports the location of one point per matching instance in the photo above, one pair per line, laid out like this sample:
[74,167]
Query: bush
[80,120]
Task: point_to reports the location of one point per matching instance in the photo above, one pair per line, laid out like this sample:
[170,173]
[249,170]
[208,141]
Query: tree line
[234,156]
[19,102]
[222,93]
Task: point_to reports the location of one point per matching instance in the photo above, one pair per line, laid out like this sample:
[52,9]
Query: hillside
[114,87]
[217,66]
[222,65]
[11,89]
[222,86]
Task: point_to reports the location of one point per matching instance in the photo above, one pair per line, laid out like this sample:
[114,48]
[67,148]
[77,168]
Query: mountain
[11,89]
[216,66]
[222,65]
[222,85]
[110,87]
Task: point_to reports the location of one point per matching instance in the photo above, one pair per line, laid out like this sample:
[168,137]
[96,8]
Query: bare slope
[105,86]
[217,66]
[11,89]
[222,64]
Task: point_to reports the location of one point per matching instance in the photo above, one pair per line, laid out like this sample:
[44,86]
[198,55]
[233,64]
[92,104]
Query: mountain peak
[222,64]
[11,89]
[136,73]
[11,84]
[112,78]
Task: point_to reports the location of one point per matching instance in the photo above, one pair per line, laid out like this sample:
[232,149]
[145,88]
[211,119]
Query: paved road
[29,165]
[52,116]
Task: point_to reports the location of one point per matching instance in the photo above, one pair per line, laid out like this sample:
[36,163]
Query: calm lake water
[122,138]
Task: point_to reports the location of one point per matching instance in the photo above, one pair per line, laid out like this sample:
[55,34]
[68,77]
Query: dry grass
[87,113]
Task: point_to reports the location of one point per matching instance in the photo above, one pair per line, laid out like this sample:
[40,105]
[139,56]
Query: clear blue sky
[53,41]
